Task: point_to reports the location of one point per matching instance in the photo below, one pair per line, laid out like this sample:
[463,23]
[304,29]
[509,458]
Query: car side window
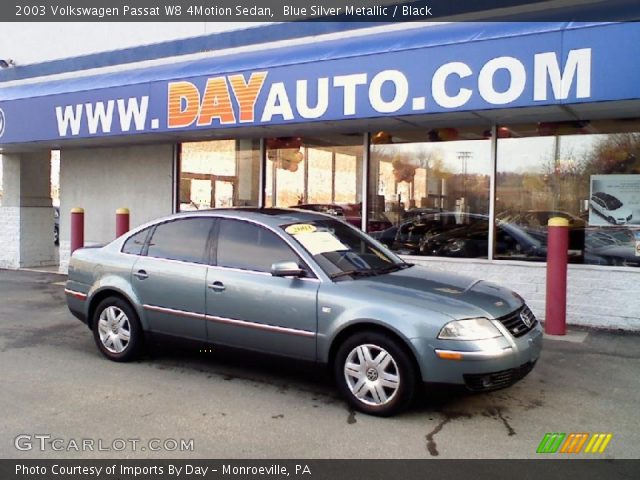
[135,243]
[247,246]
[185,240]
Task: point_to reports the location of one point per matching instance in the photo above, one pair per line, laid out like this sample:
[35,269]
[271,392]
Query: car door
[170,279]
[598,205]
[250,308]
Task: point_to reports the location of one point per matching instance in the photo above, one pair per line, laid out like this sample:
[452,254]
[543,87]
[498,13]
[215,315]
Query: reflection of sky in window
[479,160]
[518,155]
[531,154]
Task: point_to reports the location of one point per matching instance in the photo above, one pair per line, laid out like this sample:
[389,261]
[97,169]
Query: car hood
[622,212]
[617,250]
[454,295]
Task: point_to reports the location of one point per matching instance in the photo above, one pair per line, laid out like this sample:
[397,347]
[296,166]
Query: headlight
[470,329]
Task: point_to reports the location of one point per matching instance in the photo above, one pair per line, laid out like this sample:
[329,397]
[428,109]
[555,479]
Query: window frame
[145,243]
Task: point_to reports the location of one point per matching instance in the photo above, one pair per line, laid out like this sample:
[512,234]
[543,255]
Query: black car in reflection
[465,235]
[614,246]
[535,222]
[588,244]
[388,234]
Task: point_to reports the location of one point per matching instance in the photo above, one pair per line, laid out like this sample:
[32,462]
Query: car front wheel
[116,330]
[375,374]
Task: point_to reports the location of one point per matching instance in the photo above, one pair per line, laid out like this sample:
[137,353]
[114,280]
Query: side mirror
[286,269]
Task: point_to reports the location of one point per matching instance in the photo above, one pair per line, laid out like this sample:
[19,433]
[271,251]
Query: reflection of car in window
[611,246]
[610,208]
[350,213]
[331,209]
[451,234]
[535,223]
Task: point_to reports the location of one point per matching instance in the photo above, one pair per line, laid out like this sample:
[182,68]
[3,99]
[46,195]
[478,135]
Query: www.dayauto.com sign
[552,68]
[232,100]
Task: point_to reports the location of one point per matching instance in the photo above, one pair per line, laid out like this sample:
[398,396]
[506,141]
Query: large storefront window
[429,191]
[219,173]
[318,174]
[586,172]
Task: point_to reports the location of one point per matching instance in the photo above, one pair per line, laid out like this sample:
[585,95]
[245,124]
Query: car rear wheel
[375,374]
[116,330]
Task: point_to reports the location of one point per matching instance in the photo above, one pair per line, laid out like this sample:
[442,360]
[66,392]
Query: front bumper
[480,365]
[483,382]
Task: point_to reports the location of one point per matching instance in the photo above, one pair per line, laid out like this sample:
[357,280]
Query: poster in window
[614,200]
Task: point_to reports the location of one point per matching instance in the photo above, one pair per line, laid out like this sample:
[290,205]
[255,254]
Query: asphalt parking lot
[239,405]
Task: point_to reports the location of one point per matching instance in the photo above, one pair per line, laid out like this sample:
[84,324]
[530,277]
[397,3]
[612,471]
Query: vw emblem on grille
[2,122]
[527,318]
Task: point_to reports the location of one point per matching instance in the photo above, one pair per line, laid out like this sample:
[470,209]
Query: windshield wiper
[393,268]
[353,273]
[372,272]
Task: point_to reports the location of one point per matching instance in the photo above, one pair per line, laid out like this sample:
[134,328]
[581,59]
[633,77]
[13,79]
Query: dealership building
[453,143]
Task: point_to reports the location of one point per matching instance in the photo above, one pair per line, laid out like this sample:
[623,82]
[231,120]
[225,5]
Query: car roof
[273,217]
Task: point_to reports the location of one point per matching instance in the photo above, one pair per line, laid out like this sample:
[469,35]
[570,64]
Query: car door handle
[141,275]
[217,286]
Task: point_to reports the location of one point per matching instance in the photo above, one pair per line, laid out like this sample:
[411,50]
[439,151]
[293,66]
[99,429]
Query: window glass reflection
[318,174]
[184,240]
[246,246]
[426,184]
[219,173]
[586,172]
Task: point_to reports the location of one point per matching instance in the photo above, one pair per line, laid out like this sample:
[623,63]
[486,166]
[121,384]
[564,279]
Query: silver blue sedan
[303,285]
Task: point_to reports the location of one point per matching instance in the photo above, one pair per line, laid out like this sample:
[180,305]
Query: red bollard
[77,228]
[122,221]
[557,256]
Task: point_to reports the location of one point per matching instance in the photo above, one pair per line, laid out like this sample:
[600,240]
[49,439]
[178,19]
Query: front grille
[484,382]
[517,321]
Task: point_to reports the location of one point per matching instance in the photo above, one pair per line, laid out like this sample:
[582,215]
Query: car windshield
[341,250]
[612,202]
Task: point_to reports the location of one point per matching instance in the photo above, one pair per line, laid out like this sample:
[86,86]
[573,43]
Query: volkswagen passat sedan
[304,285]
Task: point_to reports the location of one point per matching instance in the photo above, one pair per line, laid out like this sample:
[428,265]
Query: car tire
[116,330]
[375,374]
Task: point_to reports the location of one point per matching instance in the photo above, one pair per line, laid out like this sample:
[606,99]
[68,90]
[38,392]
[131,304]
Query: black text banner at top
[316,10]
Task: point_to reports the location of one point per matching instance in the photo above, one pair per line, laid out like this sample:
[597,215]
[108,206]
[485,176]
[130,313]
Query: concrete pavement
[241,405]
